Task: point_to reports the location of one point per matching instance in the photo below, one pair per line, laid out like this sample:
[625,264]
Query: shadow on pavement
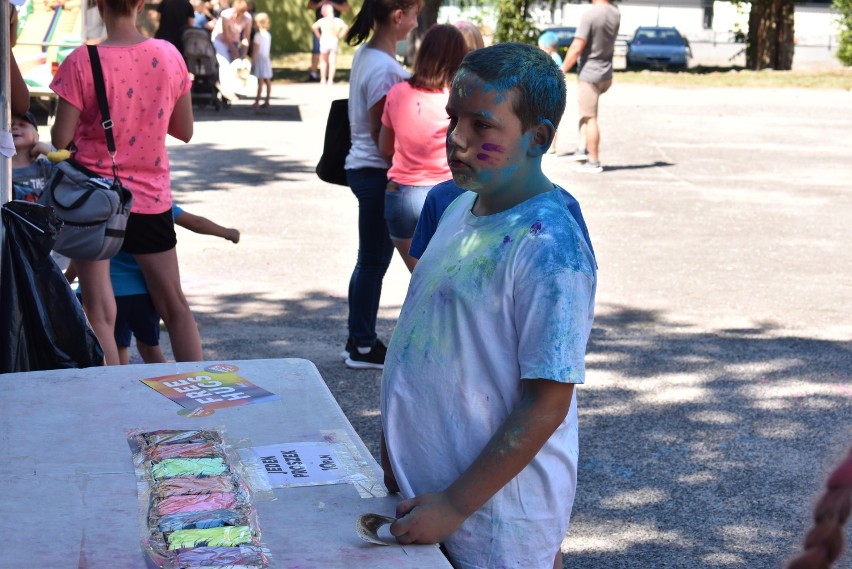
[657,164]
[681,423]
[201,167]
[243,111]
[711,416]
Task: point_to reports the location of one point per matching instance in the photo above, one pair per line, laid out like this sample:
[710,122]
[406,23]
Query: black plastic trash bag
[43,324]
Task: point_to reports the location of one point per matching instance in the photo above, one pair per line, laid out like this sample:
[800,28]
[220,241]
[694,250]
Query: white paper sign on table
[303,464]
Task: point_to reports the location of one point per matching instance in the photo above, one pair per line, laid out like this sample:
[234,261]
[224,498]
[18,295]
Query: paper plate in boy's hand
[367,527]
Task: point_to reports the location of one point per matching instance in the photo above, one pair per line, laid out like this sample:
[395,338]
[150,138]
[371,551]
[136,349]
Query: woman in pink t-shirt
[148,92]
[414,132]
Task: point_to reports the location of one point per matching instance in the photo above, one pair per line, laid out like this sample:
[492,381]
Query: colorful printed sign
[215,387]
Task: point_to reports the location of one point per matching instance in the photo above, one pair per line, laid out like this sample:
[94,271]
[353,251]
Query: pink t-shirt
[419,122]
[143,83]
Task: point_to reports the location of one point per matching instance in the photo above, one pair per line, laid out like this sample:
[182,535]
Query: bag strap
[100,90]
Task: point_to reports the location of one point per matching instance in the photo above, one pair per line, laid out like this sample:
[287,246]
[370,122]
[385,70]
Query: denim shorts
[402,209]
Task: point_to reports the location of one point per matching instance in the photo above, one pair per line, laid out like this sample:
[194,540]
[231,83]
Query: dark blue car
[654,47]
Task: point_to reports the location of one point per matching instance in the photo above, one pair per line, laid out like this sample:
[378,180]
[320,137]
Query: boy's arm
[204,226]
[430,518]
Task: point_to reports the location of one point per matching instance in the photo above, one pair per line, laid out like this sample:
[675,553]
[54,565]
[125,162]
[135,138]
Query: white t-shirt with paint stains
[494,300]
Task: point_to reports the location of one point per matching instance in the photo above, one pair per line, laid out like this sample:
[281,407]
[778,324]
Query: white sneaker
[578,155]
[589,167]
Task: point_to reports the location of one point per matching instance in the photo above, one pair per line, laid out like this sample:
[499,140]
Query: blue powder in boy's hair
[525,68]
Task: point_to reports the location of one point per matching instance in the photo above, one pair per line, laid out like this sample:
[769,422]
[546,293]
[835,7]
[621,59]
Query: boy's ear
[542,137]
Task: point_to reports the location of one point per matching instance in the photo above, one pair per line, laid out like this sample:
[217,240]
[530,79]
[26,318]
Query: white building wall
[816,25]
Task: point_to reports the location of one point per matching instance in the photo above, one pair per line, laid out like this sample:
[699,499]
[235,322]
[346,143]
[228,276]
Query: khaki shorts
[587,97]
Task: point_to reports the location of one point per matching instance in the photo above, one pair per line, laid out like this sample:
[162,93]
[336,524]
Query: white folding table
[68,492]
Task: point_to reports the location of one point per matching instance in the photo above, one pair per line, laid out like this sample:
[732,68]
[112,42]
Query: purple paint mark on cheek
[493,147]
[483,157]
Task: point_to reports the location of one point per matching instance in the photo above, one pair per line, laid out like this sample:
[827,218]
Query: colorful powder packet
[196,503]
[167,437]
[201,520]
[182,485]
[184,450]
[244,555]
[171,467]
[226,536]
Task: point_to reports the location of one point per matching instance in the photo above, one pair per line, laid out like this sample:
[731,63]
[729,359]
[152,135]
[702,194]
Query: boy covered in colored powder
[479,413]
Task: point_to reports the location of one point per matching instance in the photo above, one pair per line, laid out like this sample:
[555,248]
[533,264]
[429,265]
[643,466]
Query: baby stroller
[200,57]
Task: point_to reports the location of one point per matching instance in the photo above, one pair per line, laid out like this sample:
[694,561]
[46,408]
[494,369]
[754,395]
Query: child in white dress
[261,59]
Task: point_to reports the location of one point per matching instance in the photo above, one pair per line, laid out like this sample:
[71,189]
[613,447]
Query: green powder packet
[226,536]
[171,467]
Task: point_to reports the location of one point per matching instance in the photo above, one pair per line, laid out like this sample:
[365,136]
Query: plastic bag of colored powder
[182,485]
[227,536]
[171,467]
[244,555]
[196,503]
[201,520]
[184,450]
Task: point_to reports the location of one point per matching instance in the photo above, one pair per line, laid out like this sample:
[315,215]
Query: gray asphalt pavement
[719,391]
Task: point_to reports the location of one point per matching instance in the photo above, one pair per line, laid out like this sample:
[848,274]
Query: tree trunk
[428,18]
[770,35]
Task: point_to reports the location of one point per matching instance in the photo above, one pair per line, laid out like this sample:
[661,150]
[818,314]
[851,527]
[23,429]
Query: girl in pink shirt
[414,132]
[148,93]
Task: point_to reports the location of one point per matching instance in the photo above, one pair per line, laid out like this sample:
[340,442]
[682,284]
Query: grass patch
[294,68]
[703,76]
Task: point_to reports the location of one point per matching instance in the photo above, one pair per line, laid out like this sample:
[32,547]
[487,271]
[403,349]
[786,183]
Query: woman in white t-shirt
[374,71]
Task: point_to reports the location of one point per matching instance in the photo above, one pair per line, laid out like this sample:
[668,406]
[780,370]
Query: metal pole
[5,109]
[84,21]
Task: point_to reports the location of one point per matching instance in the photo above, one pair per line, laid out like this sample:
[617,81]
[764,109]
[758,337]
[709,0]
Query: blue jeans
[375,252]
[402,209]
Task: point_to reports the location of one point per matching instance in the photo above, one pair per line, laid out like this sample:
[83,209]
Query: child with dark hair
[414,132]
[478,406]
[30,172]
[374,71]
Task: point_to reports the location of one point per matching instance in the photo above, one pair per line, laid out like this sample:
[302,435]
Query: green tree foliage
[844,52]
[513,22]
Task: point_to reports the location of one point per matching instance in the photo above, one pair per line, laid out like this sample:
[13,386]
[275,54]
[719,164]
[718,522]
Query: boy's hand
[428,518]
[232,235]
